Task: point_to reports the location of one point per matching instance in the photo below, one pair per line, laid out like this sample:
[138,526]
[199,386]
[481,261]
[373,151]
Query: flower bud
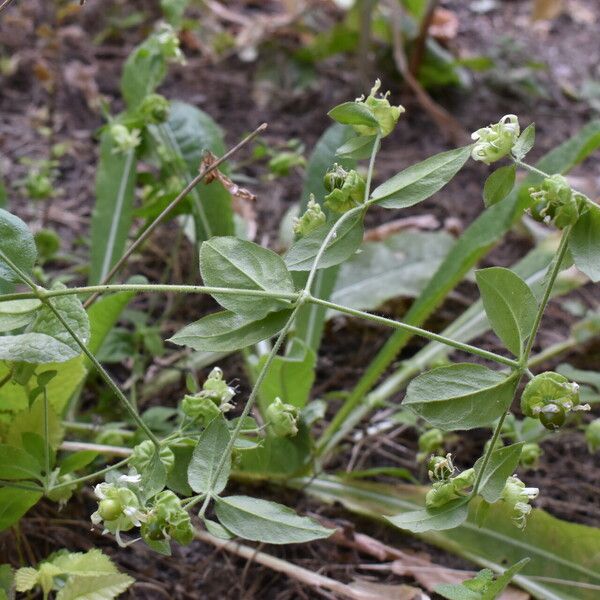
[350,194]
[312,218]
[334,178]
[168,43]
[282,418]
[440,468]
[516,495]
[118,507]
[154,109]
[144,452]
[168,520]
[592,436]
[496,141]
[124,139]
[530,455]
[554,202]
[387,116]
[430,441]
[63,493]
[212,400]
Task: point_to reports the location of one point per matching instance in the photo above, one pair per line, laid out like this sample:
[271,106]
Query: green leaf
[77,461]
[264,521]
[207,455]
[348,238]
[47,340]
[85,564]
[419,182]
[524,143]
[234,263]
[357,148]
[32,420]
[14,504]
[225,331]
[400,265]
[460,396]
[449,516]
[100,587]
[502,464]
[17,244]
[154,476]
[17,313]
[499,184]
[217,529]
[572,563]
[15,463]
[189,132]
[502,581]
[6,578]
[584,243]
[290,377]
[353,113]
[510,306]
[112,216]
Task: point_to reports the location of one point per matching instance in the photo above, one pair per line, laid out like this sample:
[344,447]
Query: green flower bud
[47,243]
[168,42]
[213,399]
[430,442]
[516,495]
[463,480]
[200,408]
[554,202]
[387,116]
[63,494]
[440,493]
[144,452]
[282,418]
[530,455]
[550,388]
[350,194]
[312,218]
[592,436]
[39,185]
[154,109]
[168,520]
[335,177]
[496,141]
[124,139]
[440,468]
[552,416]
[110,509]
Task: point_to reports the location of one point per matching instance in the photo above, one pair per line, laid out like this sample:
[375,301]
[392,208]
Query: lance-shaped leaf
[264,521]
[225,331]
[357,148]
[461,396]
[47,340]
[524,143]
[347,239]
[502,464]
[17,244]
[422,180]
[509,304]
[202,470]
[499,184]
[449,516]
[585,243]
[233,263]
[353,113]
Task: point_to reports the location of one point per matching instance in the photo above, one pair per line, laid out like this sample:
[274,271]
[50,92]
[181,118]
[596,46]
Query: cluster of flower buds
[214,399]
[312,218]
[495,141]
[168,43]
[386,115]
[592,436]
[167,520]
[516,495]
[282,418]
[549,397]
[530,455]
[446,487]
[430,442]
[125,139]
[555,202]
[346,189]
[144,452]
[119,507]
[154,109]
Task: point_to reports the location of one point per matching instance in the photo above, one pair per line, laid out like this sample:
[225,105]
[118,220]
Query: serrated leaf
[584,243]
[14,504]
[499,184]
[449,516]
[85,564]
[509,304]
[225,331]
[234,263]
[202,470]
[502,464]
[101,587]
[419,182]
[353,113]
[357,148]
[460,396]
[17,313]
[348,238]
[17,244]
[26,579]
[47,340]
[524,142]
[264,521]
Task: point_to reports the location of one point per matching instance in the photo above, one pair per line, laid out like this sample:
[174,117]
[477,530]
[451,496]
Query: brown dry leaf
[82,78]
[420,222]
[546,9]
[369,590]
[444,25]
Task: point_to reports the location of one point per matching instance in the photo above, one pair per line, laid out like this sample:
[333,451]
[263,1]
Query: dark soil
[54,72]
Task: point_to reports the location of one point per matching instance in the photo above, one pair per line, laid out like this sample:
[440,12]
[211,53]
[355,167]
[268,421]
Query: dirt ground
[54,73]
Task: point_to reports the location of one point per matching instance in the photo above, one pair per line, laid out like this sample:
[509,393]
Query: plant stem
[94,475]
[417,331]
[147,287]
[99,448]
[186,190]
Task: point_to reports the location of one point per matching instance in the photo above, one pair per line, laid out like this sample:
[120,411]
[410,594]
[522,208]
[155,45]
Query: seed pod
[552,416]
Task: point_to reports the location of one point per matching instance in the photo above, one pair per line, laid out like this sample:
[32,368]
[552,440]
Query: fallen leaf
[369,590]
[546,9]
[444,25]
